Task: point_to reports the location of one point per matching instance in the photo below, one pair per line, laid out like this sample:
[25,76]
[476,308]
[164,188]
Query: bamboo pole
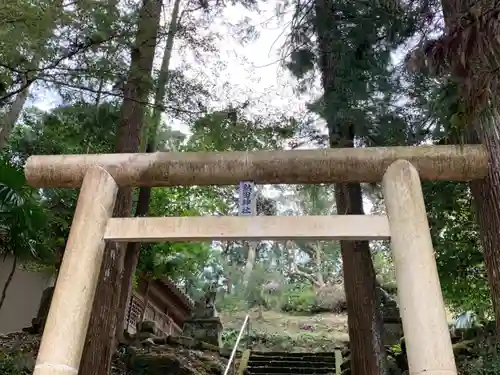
[455,163]
[428,342]
[64,334]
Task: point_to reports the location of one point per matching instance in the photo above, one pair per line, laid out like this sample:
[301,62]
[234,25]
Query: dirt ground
[275,331]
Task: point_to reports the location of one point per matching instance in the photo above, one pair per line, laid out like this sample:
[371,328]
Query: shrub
[231,302]
[306,299]
[331,298]
[488,362]
[11,364]
[301,300]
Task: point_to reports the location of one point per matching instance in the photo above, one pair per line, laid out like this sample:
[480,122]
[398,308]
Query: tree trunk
[100,342]
[319,266]
[227,270]
[486,195]
[364,320]
[12,115]
[8,281]
[149,136]
[252,254]
[163,79]
[485,192]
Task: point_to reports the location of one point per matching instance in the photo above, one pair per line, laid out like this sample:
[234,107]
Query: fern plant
[23,220]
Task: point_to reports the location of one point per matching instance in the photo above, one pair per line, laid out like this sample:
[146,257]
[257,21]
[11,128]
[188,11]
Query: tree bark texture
[149,136]
[100,341]
[319,265]
[486,196]
[462,19]
[252,254]
[12,115]
[364,320]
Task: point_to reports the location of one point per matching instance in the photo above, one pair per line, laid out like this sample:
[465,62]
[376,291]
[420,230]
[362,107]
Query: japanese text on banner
[247,199]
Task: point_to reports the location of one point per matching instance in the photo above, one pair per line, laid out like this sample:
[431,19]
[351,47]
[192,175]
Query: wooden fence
[164,324]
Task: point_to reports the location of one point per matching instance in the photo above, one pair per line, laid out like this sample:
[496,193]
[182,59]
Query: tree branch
[116,94]
[307,276]
[31,75]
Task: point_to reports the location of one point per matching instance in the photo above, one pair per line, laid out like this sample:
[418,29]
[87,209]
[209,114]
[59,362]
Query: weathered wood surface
[455,163]
[69,315]
[225,228]
[427,337]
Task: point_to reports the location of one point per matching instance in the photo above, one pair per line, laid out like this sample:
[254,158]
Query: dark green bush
[488,362]
[300,299]
[306,299]
[13,365]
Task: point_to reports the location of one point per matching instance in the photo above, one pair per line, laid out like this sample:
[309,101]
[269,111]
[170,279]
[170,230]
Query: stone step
[293,354]
[290,370]
[287,363]
[293,361]
[281,363]
[296,357]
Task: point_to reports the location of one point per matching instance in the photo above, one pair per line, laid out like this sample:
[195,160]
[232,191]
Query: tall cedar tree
[100,341]
[466,55]
[367,350]
[150,139]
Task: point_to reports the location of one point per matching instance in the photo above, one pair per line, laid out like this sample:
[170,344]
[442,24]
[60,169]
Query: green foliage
[86,128]
[179,260]
[231,303]
[361,90]
[299,299]
[230,130]
[13,364]
[488,362]
[43,41]
[458,252]
[23,217]
[384,268]
[229,337]
[75,129]
[361,98]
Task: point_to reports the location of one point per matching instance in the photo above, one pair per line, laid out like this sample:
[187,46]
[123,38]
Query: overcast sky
[252,71]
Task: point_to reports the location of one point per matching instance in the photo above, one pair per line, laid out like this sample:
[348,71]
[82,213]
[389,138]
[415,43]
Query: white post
[428,343]
[66,327]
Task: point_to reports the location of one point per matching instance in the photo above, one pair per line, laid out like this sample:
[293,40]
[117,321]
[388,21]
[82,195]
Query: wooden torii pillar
[399,168]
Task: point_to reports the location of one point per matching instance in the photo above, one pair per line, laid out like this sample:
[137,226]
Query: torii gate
[399,168]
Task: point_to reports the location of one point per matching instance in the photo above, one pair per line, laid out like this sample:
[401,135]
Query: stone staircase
[283,363]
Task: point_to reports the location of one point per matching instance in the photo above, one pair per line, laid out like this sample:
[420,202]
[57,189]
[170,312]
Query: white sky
[252,71]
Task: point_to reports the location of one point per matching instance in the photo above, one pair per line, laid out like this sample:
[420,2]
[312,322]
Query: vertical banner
[247,202]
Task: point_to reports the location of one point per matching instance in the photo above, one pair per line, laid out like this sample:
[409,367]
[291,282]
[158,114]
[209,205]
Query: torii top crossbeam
[455,163]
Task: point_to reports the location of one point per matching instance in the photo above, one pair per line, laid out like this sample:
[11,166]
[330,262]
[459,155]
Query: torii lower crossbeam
[254,228]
